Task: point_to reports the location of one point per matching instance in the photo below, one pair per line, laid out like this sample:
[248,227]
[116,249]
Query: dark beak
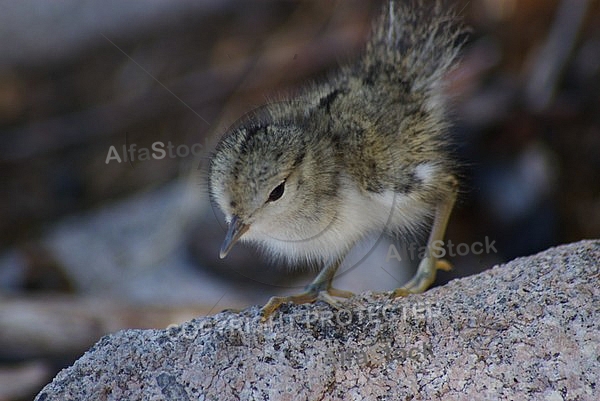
[235,231]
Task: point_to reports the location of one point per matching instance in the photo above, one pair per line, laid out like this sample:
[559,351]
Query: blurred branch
[547,68]
[22,381]
[51,325]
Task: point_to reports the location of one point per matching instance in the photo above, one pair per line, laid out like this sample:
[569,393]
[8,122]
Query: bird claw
[423,278]
[312,294]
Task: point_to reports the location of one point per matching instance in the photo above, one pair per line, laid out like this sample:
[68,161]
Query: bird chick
[363,152]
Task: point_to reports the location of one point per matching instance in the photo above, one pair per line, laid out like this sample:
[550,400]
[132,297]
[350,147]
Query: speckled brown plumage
[364,151]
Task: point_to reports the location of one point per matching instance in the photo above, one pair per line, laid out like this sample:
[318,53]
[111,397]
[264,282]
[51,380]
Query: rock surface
[529,329]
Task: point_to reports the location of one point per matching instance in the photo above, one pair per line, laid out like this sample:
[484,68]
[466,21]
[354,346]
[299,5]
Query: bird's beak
[235,231]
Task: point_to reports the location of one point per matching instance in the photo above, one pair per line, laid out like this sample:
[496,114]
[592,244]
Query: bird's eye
[277,192]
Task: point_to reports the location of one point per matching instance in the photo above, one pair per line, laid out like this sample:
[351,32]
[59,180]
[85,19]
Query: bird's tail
[414,42]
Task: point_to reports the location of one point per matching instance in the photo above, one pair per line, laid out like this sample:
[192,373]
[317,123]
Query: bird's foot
[424,277]
[313,292]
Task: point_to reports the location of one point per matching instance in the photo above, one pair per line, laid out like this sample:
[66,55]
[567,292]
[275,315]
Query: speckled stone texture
[529,329]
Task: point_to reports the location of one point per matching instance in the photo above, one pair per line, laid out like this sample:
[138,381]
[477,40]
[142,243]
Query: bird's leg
[319,289]
[428,266]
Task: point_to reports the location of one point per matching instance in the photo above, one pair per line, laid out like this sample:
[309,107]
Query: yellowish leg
[429,265]
[319,289]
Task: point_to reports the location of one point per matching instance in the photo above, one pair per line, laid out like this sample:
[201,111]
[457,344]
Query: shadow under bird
[365,151]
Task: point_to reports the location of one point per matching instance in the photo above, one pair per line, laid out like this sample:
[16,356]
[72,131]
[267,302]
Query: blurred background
[93,240]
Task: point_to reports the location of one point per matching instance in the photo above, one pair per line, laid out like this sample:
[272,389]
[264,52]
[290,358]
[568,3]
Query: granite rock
[529,329]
